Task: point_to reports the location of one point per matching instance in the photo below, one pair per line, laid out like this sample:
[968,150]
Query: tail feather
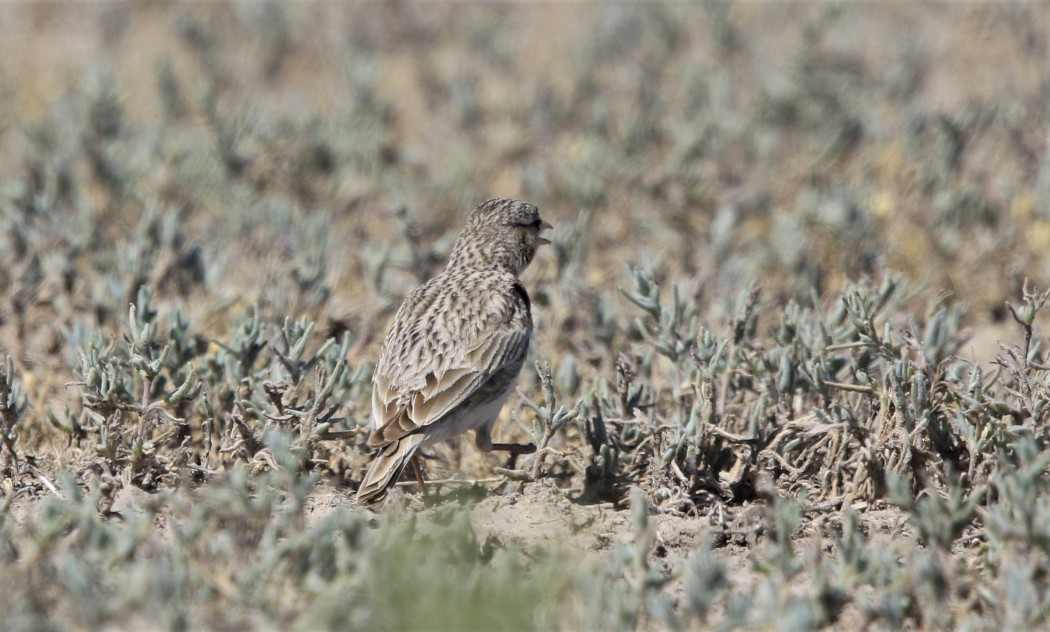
[386,468]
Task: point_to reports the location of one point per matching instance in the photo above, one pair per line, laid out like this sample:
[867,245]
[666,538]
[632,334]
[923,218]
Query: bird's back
[451,337]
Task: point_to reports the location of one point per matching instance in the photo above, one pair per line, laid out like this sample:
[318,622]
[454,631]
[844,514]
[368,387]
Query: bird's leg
[483,439]
[514,449]
[419,474]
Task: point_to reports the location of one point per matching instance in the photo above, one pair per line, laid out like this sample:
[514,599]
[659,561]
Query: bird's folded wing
[446,385]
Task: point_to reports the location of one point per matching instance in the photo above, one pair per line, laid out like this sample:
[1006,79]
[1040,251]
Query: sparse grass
[789,364]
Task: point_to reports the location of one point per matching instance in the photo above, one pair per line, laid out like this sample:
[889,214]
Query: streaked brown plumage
[456,345]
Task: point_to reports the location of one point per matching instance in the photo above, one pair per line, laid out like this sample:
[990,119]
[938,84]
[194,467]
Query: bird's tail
[387,467]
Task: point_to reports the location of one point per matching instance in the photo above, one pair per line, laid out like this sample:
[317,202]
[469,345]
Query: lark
[456,346]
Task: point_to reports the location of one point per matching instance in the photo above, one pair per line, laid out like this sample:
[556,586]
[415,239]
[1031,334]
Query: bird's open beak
[544,225]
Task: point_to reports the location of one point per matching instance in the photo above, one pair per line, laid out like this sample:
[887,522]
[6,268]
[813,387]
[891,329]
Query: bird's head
[500,233]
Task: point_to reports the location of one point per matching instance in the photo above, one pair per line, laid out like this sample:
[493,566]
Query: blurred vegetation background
[800,144]
[822,217]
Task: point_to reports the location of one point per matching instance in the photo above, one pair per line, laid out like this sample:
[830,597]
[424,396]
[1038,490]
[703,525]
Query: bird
[455,347]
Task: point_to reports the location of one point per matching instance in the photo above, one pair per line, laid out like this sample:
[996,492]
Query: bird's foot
[514,449]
